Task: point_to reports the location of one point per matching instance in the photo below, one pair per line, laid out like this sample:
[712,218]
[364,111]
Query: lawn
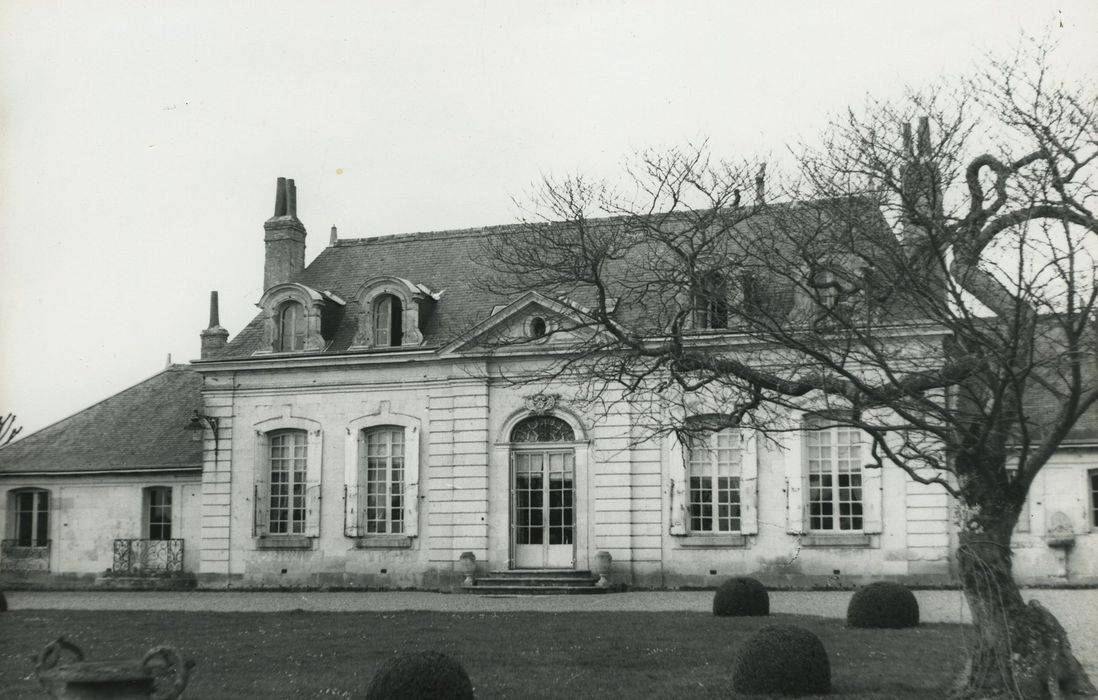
[508,655]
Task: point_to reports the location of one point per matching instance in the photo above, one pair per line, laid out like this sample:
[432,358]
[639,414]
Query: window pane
[714,458]
[286,504]
[383,474]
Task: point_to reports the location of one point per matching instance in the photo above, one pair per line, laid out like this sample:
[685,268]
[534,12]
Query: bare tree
[931,287]
[8,429]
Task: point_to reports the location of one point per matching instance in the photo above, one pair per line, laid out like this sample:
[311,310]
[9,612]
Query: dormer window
[393,313]
[710,301]
[388,321]
[291,327]
[297,318]
[827,288]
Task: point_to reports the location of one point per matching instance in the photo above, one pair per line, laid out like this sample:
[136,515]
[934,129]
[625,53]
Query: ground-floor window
[158,512]
[286,514]
[384,478]
[1093,474]
[32,518]
[834,476]
[713,466]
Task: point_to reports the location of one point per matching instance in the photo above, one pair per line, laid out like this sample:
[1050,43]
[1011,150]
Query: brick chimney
[214,337]
[284,236]
[920,183]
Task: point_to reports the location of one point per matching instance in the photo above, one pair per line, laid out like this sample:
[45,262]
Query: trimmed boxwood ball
[422,675]
[741,596]
[782,660]
[883,604]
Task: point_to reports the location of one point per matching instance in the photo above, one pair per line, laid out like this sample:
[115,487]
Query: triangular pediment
[531,323]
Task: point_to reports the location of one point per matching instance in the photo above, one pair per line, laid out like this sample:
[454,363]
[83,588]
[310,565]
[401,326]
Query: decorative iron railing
[23,559]
[144,556]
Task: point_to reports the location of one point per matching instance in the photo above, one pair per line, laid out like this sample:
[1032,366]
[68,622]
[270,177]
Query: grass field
[507,655]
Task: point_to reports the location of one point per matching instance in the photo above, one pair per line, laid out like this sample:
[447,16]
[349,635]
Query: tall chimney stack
[214,337]
[284,236]
[920,185]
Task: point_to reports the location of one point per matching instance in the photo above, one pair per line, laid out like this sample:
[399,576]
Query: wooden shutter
[313,454]
[261,521]
[677,485]
[353,455]
[796,478]
[352,523]
[411,481]
[262,490]
[872,482]
[749,483]
[383,311]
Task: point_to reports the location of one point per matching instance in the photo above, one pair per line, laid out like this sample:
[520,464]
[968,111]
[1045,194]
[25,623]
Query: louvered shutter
[411,481]
[262,490]
[313,455]
[352,505]
[796,478]
[749,483]
[677,485]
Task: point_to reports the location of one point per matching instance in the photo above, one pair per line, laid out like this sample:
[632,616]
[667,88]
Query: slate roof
[450,263]
[440,260]
[143,427]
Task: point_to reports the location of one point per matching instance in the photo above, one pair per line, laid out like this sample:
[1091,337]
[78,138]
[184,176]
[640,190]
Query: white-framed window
[393,313]
[31,524]
[383,477]
[297,318]
[826,284]
[158,513]
[1092,477]
[714,466]
[833,455]
[291,327]
[287,481]
[710,301]
[713,485]
[388,321]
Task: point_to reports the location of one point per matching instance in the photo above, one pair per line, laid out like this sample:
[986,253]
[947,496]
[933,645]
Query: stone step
[540,573]
[540,581]
[517,582]
[532,590]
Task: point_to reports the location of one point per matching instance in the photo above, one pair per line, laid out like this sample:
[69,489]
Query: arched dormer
[293,317]
[392,313]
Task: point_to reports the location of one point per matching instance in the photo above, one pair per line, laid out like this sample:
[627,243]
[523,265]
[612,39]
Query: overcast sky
[140,141]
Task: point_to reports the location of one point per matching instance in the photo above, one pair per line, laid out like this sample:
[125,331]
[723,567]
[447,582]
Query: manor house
[362,432]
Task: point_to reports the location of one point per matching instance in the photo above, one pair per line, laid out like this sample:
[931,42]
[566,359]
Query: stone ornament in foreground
[120,678]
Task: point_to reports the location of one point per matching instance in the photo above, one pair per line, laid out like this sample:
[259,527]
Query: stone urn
[467,566]
[603,560]
[128,678]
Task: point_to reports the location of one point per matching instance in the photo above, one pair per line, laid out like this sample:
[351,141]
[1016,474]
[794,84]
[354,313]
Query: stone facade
[390,439]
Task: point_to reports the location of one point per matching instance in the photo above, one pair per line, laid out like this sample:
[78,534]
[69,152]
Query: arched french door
[543,519]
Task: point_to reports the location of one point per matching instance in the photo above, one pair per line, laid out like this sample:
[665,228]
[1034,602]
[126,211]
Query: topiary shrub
[883,604]
[422,675]
[782,660]
[741,596]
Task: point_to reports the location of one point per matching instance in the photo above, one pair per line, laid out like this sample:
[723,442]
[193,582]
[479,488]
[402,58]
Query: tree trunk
[1018,650]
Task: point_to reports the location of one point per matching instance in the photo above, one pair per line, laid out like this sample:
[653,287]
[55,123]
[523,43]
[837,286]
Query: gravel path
[1076,609]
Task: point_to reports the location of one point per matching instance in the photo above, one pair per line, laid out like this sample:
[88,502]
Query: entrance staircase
[519,582]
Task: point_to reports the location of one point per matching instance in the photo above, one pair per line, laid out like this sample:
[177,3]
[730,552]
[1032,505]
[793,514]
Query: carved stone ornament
[541,404]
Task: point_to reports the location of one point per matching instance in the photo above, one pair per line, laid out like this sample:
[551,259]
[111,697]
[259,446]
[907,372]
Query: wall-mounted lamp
[199,422]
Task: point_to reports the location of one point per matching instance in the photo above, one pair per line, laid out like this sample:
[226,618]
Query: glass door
[543,518]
